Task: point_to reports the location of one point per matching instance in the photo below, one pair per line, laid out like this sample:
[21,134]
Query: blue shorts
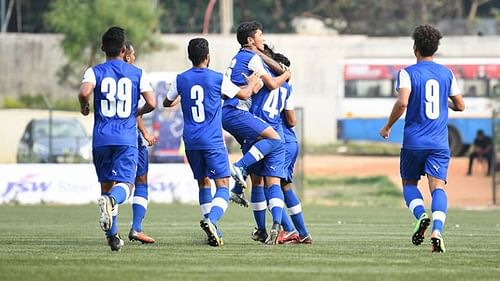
[419,162]
[213,163]
[115,163]
[273,164]
[291,153]
[142,161]
[242,124]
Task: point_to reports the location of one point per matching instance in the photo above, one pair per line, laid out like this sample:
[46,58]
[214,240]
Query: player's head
[113,41]
[129,56]
[480,133]
[249,34]
[426,40]
[198,51]
[281,59]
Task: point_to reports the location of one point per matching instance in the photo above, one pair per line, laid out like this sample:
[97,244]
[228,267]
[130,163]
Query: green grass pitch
[45,242]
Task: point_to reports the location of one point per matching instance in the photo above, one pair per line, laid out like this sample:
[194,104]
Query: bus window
[495,88]
[475,87]
[368,88]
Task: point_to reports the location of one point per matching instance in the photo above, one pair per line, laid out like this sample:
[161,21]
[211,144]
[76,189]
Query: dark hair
[247,29]
[480,132]
[281,59]
[113,40]
[128,45]
[197,50]
[426,39]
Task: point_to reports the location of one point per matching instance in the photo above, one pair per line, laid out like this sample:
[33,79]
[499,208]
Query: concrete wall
[29,63]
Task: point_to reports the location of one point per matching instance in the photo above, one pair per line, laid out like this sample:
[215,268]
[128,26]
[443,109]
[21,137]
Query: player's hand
[385,132]
[85,109]
[151,139]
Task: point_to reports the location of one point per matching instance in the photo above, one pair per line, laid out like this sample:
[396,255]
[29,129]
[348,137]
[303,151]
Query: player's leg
[437,171]
[259,207]
[140,199]
[411,168]
[247,126]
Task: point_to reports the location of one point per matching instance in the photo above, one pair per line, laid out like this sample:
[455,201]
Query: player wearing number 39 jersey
[116,86]
[425,90]
[200,90]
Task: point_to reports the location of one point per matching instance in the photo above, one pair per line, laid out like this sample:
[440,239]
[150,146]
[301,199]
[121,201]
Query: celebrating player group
[257,109]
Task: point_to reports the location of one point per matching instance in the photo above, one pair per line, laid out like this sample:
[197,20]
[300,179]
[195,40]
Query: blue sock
[286,222]
[259,206]
[114,227]
[260,149]
[139,206]
[237,188]
[293,204]
[414,200]
[274,197]
[120,193]
[439,207]
[205,200]
[219,204]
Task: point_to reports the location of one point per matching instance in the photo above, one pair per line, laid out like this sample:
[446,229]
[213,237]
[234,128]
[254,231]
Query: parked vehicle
[64,140]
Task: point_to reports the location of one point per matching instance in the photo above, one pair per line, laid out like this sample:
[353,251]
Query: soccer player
[117,87]
[200,90]
[140,197]
[243,125]
[292,201]
[424,90]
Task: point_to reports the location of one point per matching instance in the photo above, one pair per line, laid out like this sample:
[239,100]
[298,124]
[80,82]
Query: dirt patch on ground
[463,191]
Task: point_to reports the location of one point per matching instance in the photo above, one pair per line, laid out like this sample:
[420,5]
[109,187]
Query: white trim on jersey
[290,101]
[145,83]
[89,76]
[256,64]
[172,92]
[454,90]
[228,88]
[404,80]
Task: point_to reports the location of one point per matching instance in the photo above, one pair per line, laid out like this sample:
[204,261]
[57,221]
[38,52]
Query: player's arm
[254,84]
[289,112]
[86,89]
[150,138]
[397,111]
[275,66]
[148,95]
[270,82]
[456,102]
[172,98]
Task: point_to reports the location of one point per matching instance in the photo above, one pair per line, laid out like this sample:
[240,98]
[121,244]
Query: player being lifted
[236,119]
[424,90]
[140,197]
[200,90]
[117,87]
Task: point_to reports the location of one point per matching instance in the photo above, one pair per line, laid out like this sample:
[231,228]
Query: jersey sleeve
[403,80]
[145,83]
[89,76]
[256,64]
[228,88]
[290,100]
[454,89]
[172,92]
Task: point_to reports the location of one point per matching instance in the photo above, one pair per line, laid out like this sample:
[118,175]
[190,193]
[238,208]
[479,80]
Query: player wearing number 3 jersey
[424,90]
[116,86]
[200,90]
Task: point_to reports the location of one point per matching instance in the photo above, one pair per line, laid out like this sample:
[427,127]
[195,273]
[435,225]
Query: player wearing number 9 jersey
[424,90]
[200,90]
[116,86]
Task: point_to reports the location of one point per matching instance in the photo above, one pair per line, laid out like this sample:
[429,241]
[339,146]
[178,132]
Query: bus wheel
[455,141]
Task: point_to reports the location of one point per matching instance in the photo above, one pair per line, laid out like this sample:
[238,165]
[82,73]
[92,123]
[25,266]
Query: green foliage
[83,23]
[54,242]
[37,102]
[9,102]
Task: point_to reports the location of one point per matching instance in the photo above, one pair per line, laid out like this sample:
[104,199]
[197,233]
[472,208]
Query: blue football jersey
[244,62]
[426,121]
[268,104]
[200,90]
[116,95]
[288,131]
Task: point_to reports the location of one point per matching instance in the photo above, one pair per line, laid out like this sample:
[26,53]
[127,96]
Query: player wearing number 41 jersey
[200,90]
[117,87]
[424,90]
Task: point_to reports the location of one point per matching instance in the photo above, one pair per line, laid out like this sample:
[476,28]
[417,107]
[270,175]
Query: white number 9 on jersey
[432,99]
[118,97]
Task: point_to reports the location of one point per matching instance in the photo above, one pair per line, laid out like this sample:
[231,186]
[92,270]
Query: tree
[83,22]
